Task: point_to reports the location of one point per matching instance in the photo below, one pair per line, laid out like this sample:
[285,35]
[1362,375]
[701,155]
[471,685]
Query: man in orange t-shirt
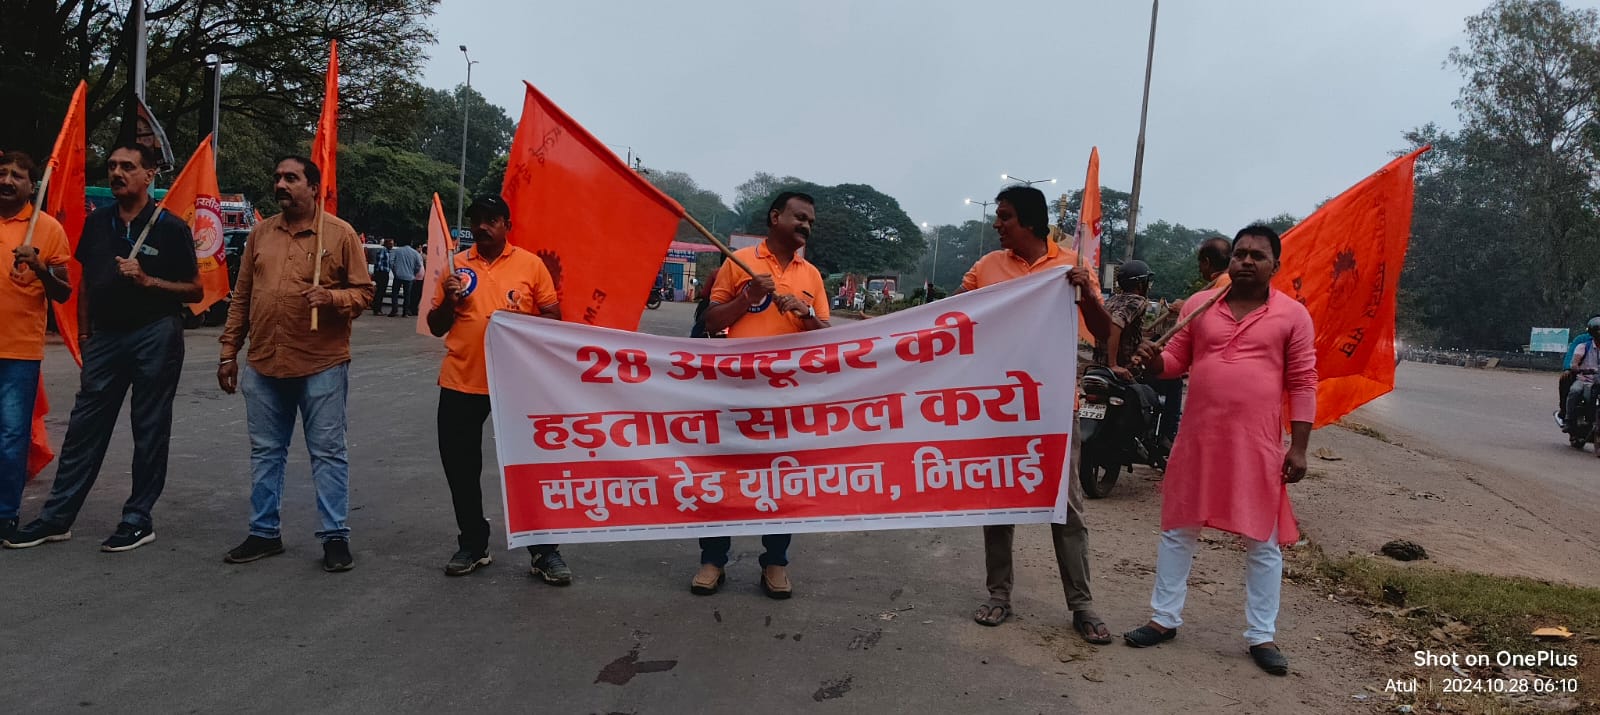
[37,275]
[1021,217]
[785,296]
[489,277]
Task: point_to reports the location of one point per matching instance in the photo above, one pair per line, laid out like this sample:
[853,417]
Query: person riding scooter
[1581,371]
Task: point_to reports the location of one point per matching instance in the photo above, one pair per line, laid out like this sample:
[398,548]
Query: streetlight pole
[985,205]
[466,105]
[933,275]
[1025,182]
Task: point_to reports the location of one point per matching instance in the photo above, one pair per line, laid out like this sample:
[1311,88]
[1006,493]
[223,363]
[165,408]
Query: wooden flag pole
[1168,310]
[316,270]
[1185,322]
[719,244]
[38,204]
[146,232]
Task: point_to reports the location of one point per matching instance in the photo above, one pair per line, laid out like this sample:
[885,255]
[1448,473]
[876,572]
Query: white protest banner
[955,413]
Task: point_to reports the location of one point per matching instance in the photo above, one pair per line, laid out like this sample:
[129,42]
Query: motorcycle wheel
[653,303]
[1097,475]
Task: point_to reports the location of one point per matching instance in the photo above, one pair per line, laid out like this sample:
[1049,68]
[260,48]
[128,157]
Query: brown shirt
[268,306]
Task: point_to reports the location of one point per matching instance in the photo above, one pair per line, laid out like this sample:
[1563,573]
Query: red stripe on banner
[897,478]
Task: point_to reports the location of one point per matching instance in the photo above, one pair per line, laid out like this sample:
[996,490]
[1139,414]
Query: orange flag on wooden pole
[441,248]
[1343,264]
[325,146]
[195,199]
[64,199]
[601,229]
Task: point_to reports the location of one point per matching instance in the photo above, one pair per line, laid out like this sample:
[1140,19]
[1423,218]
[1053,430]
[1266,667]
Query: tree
[858,228]
[438,134]
[1170,251]
[1531,105]
[388,191]
[1113,222]
[704,205]
[279,48]
[493,181]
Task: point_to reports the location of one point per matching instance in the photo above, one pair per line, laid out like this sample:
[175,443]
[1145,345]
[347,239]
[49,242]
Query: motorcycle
[1580,428]
[1118,430]
[658,294]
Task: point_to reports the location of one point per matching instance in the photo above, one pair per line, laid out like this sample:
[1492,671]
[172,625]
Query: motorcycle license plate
[1092,412]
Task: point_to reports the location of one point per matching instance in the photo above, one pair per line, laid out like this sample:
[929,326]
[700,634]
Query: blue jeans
[270,406]
[149,359]
[714,550]
[19,385]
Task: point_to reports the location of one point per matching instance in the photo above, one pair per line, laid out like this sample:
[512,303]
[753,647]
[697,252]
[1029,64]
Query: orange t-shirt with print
[23,305]
[516,280]
[800,279]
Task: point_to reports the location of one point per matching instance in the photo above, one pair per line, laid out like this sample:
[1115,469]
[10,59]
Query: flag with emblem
[195,199]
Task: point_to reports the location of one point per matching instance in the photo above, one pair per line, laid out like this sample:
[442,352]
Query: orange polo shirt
[800,279]
[1001,266]
[517,281]
[22,301]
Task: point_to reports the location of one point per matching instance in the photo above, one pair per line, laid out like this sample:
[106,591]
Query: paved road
[1497,420]
[171,627]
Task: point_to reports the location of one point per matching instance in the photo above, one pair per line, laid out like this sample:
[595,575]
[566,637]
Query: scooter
[1118,430]
[1580,427]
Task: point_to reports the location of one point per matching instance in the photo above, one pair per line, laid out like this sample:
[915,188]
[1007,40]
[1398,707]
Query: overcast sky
[1257,107]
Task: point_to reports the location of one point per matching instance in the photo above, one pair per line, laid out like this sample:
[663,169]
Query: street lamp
[1025,182]
[934,273]
[985,205]
[466,104]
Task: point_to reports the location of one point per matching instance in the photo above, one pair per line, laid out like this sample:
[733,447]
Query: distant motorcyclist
[1579,375]
[1127,308]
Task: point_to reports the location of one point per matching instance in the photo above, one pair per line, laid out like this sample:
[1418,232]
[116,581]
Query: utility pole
[1138,156]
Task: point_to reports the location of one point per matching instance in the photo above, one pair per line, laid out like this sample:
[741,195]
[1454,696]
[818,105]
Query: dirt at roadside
[1342,654]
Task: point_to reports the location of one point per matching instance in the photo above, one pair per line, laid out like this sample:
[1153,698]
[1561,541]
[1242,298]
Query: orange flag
[64,199]
[1087,241]
[325,147]
[602,230]
[441,247]
[1343,264]
[195,198]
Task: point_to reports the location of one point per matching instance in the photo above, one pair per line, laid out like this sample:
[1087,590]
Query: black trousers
[148,359]
[461,419]
[414,299]
[381,280]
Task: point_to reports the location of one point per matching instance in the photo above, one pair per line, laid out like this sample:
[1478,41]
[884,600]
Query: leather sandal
[707,580]
[775,582]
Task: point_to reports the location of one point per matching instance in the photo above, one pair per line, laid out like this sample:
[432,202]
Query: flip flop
[1090,627]
[992,613]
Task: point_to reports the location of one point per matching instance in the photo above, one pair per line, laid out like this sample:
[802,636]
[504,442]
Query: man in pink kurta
[1247,355]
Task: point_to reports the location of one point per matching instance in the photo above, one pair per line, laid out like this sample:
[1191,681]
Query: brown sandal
[1091,627]
[992,613]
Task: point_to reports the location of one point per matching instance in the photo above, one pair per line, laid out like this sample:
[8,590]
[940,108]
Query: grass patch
[1444,610]
[1501,610]
[1362,429]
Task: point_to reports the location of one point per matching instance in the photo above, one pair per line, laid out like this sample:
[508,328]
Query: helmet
[1594,324]
[1134,270]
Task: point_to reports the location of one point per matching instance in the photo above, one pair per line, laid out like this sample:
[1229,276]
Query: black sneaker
[336,556]
[34,534]
[466,561]
[550,567]
[128,538]
[8,529]
[254,548]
